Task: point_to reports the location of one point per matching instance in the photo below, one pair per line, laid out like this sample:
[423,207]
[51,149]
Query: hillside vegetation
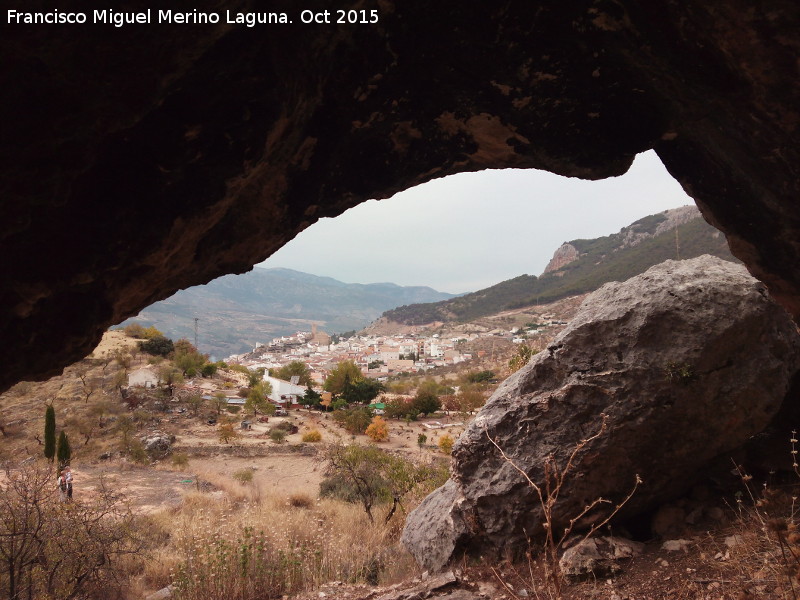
[604,259]
[236,311]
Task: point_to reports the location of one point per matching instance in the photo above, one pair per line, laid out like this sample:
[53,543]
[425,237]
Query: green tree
[372,476]
[426,402]
[219,402]
[256,376]
[187,358]
[399,408]
[209,369]
[362,391]
[125,425]
[151,332]
[157,345]
[170,377]
[298,368]
[257,399]
[311,397]
[63,452]
[343,373]
[354,420]
[50,432]
[134,330]
[195,402]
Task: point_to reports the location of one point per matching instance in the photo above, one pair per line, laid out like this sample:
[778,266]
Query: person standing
[62,487]
[68,481]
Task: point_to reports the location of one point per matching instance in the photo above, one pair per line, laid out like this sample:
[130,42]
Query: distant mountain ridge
[236,311]
[581,266]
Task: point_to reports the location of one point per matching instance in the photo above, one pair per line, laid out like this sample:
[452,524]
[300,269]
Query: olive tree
[372,476]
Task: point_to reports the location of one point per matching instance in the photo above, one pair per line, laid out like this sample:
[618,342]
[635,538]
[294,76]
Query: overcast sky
[472,230]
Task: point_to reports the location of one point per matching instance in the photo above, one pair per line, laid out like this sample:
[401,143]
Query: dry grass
[225,549]
[312,436]
[761,551]
[301,501]
[238,542]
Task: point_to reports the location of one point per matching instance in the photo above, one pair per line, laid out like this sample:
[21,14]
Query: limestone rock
[157,444]
[678,545]
[598,557]
[687,361]
[162,594]
[565,254]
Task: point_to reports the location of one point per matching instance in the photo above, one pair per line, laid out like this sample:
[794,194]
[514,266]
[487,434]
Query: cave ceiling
[143,159]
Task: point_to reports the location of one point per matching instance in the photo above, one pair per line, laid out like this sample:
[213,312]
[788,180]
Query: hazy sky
[472,230]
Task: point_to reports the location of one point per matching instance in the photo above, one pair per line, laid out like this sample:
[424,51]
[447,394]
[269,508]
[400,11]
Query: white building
[284,393]
[144,377]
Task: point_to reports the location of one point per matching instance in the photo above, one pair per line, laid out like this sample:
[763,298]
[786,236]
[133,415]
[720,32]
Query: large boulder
[158,444]
[683,363]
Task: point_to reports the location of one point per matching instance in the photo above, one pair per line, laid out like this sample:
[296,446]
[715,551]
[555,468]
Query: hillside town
[381,356]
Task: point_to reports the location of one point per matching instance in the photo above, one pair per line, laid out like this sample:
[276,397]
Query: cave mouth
[455,235]
[469,231]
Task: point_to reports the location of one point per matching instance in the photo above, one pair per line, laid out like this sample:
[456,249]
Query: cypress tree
[50,433]
[64,452]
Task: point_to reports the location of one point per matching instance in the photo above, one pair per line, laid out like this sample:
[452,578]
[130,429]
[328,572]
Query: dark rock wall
[140,160]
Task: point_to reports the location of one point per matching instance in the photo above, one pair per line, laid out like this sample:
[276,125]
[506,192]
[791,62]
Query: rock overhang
[144,159]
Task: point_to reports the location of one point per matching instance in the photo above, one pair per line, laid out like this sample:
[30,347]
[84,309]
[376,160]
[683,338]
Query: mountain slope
[582,266]
[236,311]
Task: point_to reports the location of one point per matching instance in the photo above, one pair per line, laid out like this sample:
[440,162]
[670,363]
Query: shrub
[446,444]
[137,452]
[243,476]
[378,430]
[277,435]
[227,432]
[340,488]
[681,373]
[209,369]
[421,439]
[157,346]
[180,460]
[312,436]
[354,420]
[480,376]
[301,501]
